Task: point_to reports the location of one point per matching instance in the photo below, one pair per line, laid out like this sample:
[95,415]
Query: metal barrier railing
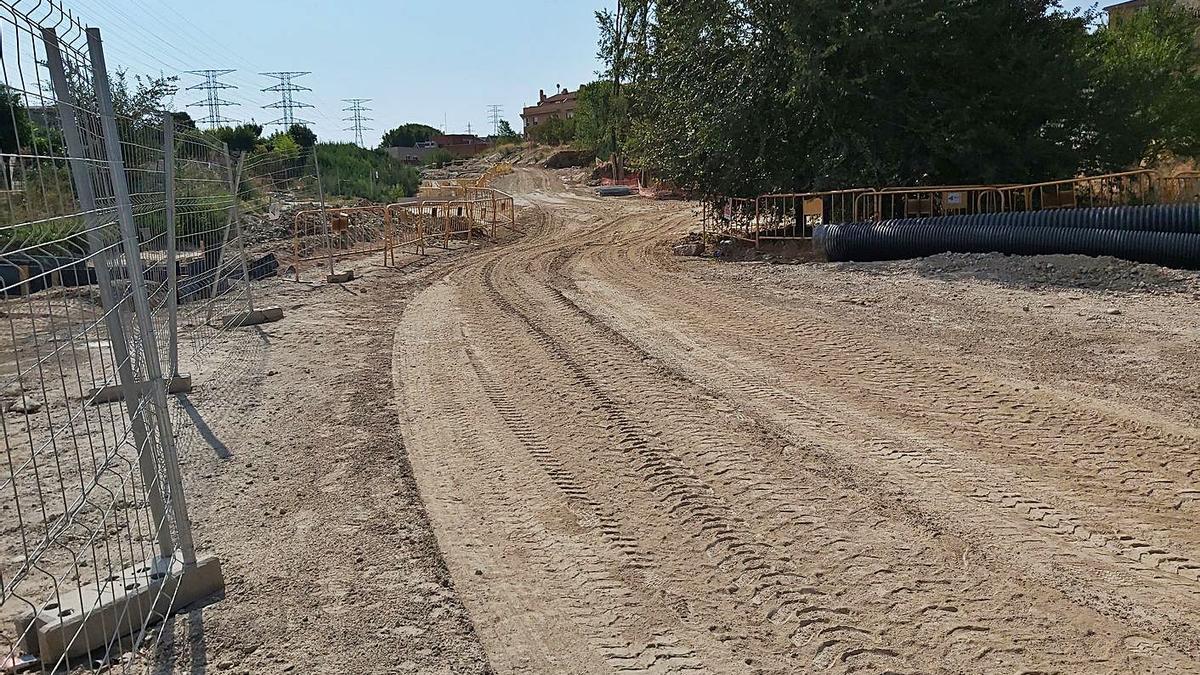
[1182,187]
[1116,189]
[927,202]
[418,222]
[494,172]
[333,233]
[794,216]
[731,216]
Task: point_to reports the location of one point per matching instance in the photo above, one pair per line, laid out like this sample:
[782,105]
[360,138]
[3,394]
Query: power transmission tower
[494,114]
[356,110]
[212,100]
[287,101]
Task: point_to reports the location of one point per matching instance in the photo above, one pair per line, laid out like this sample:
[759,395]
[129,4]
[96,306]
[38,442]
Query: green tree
[600,114]
[304,137]
[1147,102]
[16,131]
[284,145]
[184,120]
[505,133]
[408,135]
[553,131]
[144,98]
[242,138]
[745,97]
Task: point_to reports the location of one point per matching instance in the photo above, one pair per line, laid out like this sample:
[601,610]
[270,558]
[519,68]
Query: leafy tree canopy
[505,133]
[1148,76]
[747,97]
[184,120]
[601,112]
[144,98]
[283,144]
[242,138]
[16,131]
[408,135]
[304,137]
[553,131]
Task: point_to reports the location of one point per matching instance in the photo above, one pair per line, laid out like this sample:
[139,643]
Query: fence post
[156,384]
[172,244]
[387,235]
[324,215]
[235,180]
[237,224]
[113,322]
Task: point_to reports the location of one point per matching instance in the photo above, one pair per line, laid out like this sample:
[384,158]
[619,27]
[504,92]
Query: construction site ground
[576,453]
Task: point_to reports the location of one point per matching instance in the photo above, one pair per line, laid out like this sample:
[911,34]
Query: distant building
[561,105]
[461,145]
[412,156]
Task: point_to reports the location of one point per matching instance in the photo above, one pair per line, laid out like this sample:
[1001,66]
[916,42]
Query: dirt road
[645,464]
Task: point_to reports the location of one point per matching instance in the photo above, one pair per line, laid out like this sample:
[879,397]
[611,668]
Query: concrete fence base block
[180,384]
[268,315]
[114,611]
[341,277]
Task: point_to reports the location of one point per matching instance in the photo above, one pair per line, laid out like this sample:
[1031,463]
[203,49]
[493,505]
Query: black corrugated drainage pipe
[1162,241]
[1155,217]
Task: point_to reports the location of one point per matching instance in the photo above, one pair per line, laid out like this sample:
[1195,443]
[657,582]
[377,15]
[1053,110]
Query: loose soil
[577,453]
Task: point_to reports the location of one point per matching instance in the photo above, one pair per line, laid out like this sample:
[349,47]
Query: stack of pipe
[1165,234]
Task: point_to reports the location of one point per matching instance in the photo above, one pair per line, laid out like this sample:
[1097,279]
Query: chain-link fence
[123,271]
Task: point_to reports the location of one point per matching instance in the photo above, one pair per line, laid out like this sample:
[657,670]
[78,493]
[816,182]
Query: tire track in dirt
[678,478]
[1163,555]
[691,501]
[661,653]
[574,580]
[1086,444]
[722,503]
[802,420]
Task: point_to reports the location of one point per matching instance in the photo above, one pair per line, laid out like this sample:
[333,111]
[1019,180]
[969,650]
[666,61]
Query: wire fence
[126,279]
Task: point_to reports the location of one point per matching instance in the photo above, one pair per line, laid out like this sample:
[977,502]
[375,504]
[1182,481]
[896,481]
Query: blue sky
[419,60]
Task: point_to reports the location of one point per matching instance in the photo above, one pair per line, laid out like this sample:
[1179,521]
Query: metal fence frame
[146,215]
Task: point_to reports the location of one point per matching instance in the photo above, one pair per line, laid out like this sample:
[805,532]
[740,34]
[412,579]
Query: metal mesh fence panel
[95,536]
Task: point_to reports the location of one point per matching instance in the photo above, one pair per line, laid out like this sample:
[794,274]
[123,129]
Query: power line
[356,110]
[213,101]
[287,101]
[494,111]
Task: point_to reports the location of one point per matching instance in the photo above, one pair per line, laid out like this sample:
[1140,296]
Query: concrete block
[268,315]
[341,277]
[115,610]
[180,384]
